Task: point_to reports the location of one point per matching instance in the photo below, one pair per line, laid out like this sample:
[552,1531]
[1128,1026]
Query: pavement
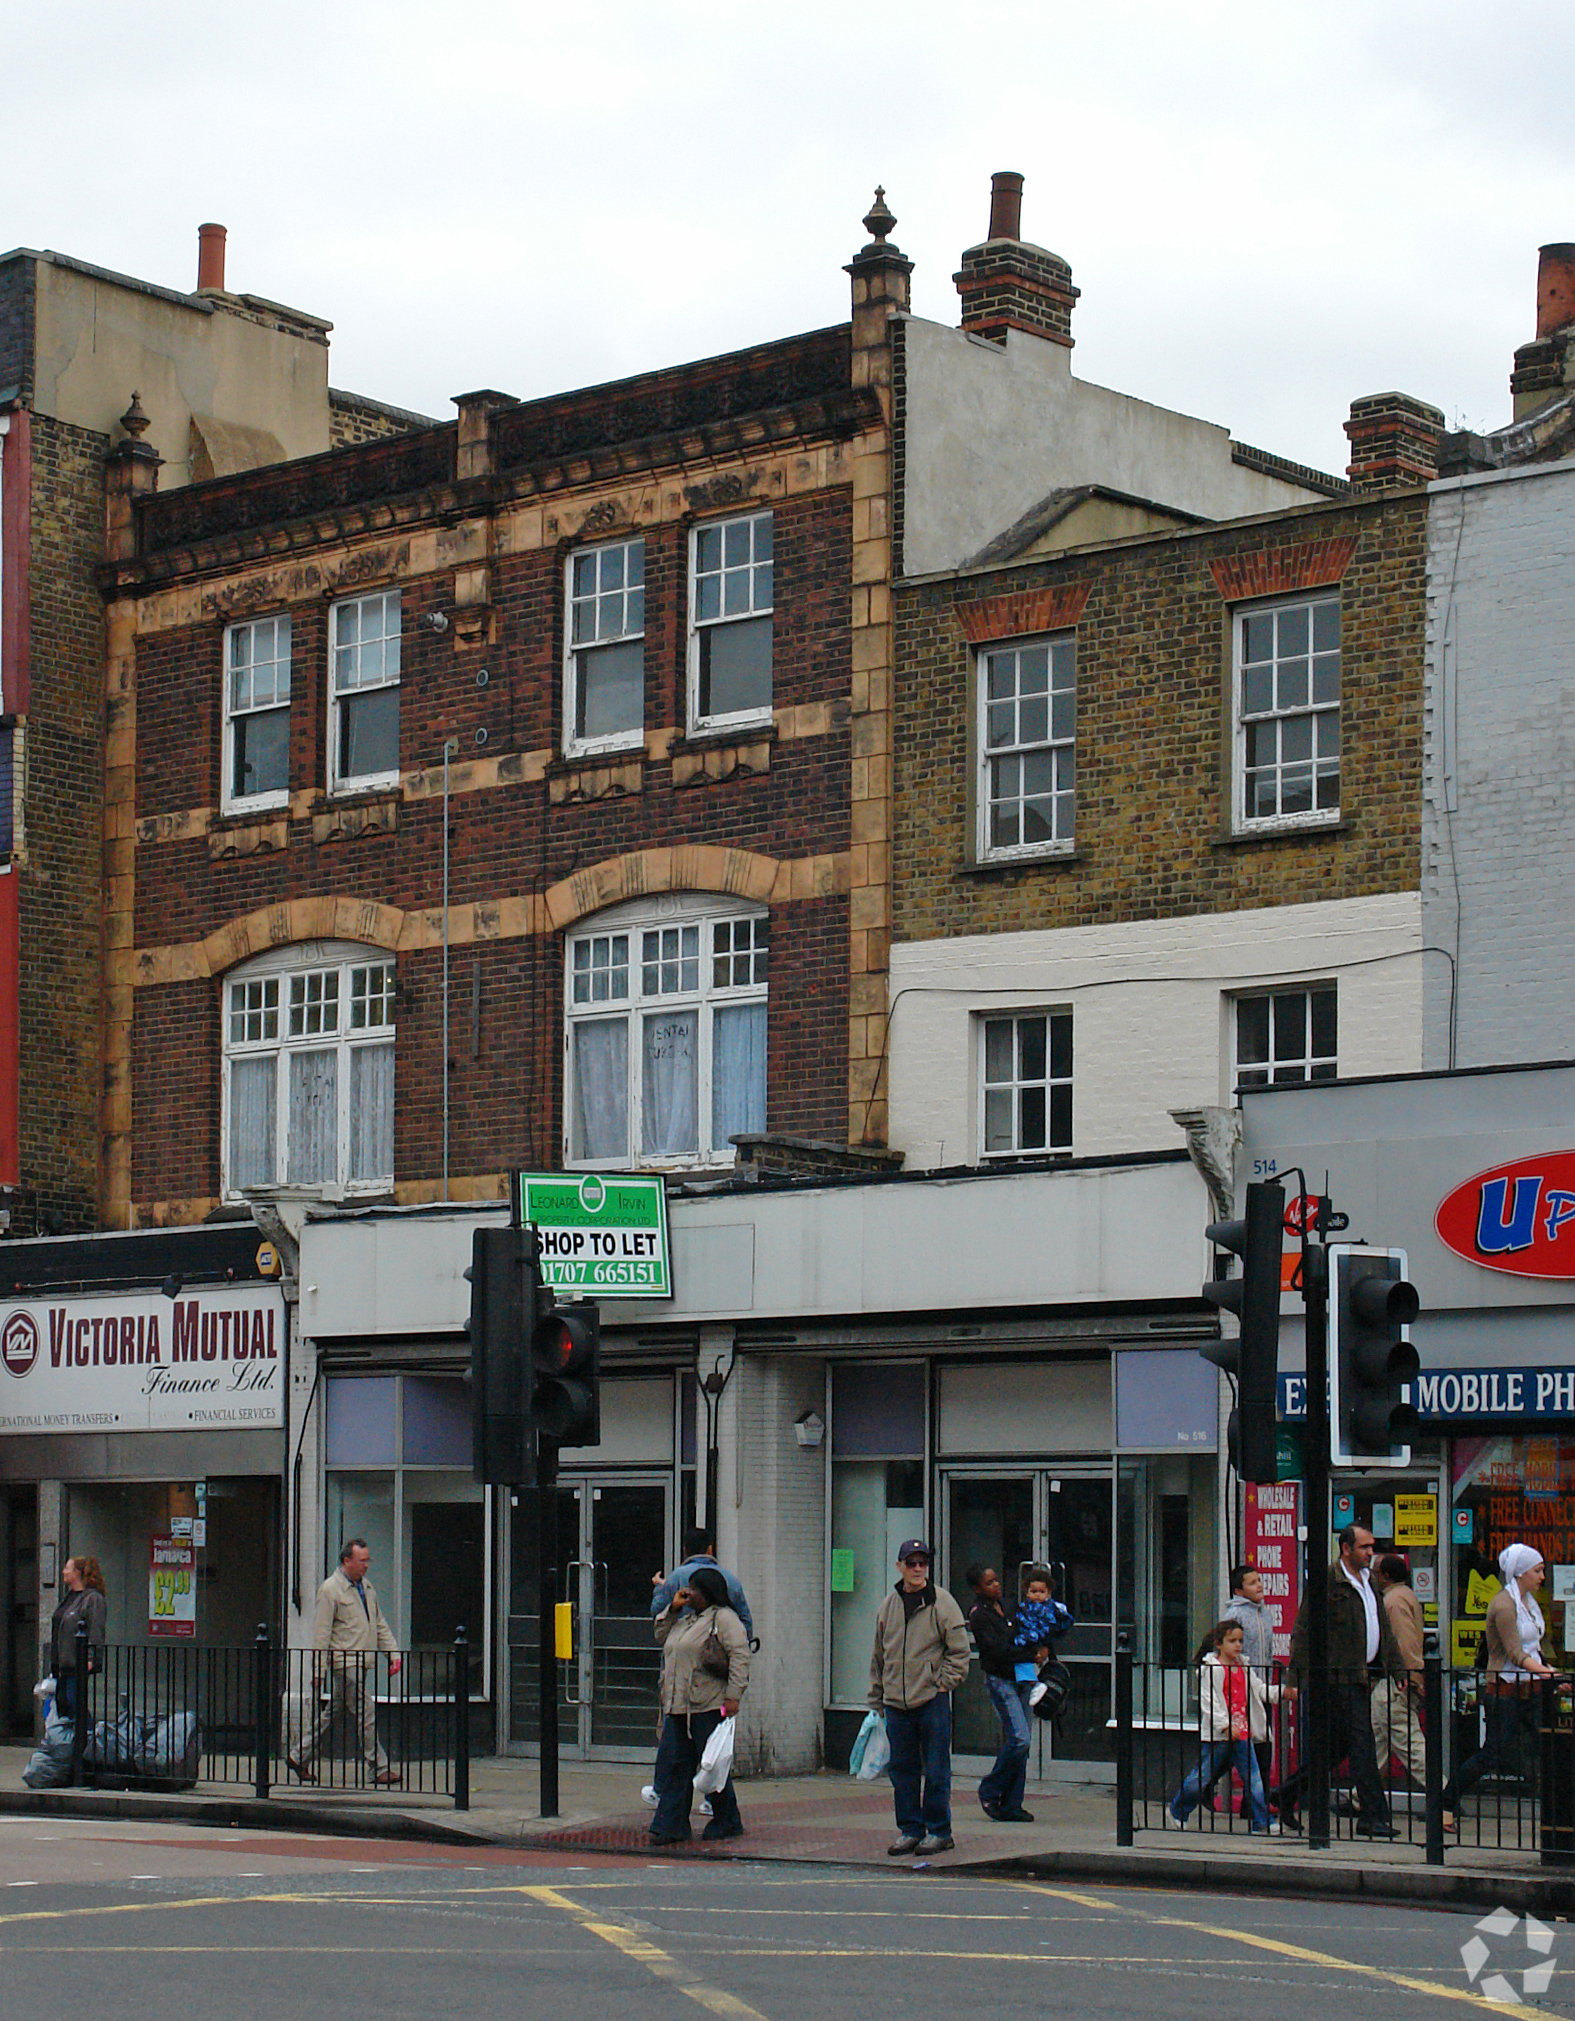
[830,1819]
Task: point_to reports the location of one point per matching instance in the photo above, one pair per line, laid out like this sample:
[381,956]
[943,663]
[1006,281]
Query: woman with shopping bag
[705,1669]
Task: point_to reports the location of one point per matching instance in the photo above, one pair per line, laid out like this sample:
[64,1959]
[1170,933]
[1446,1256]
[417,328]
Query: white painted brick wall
[1499,743]
[772,1533]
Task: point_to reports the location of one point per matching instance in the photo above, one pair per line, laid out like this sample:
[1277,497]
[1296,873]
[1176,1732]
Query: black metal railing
[1461,1758]
[169,1715]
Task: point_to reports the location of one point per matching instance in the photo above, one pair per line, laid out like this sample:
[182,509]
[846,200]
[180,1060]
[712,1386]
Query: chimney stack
[210,259]
[1394,442]
[1547,364]
[1007,284]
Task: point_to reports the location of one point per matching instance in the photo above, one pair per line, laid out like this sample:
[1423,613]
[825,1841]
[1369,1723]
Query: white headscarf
[1514,1560]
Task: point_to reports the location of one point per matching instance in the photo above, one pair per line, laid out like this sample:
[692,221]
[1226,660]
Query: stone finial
[878,219]
[134,421]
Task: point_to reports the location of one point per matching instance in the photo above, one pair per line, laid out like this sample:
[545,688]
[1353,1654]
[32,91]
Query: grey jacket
[1257,1631]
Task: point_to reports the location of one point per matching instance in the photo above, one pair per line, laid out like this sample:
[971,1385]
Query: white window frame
[343,658]
[595,617]
[274,633]
[609,990]
[756,577]
[1283,1068]
[1015,1084]
[260,1001]
[1292,701]
[1053,743]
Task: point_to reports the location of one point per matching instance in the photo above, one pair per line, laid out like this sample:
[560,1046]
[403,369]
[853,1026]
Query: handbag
[1054,1688]
[713,1657]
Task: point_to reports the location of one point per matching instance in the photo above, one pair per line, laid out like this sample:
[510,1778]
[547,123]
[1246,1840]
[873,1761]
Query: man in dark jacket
[994,1634]
[1361,1650]
[920,1658]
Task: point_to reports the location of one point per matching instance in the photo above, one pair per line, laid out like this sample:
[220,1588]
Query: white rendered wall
[1150,1009]
[1499,766]
[990,430]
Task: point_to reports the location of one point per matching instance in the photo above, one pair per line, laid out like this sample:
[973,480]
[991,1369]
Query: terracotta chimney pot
[210,259]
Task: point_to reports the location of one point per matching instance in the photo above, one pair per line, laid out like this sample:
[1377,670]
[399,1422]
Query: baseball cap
[915,1547]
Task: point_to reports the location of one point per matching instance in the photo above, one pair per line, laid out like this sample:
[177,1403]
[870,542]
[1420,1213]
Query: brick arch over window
[301,919]
[699,867]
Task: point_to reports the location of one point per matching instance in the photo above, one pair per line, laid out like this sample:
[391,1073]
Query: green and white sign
[601,1236]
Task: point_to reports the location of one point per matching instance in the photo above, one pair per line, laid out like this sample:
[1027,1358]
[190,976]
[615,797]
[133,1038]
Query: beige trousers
[1396,1729]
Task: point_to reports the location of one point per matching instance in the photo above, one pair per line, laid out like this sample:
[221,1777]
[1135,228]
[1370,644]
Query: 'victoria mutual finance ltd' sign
[601,1237]
[211,1359]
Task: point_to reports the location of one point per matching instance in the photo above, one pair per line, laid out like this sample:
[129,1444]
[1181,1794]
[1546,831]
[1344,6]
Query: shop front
[141,1424]
[1465,1172]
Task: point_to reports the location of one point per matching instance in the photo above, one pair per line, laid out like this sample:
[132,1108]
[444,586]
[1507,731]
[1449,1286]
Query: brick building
[518,793]
[228,381]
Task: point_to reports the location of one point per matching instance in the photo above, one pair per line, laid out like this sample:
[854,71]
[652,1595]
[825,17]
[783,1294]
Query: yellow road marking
[656,1961]
[1303,1956]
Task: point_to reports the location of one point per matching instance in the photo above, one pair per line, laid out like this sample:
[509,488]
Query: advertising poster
[172,1587]
[1269,1541]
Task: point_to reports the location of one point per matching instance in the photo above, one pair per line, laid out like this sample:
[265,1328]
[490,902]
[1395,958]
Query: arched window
[309,1069]
[665,1003]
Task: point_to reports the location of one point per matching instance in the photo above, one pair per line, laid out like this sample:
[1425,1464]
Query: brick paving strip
[831,1819]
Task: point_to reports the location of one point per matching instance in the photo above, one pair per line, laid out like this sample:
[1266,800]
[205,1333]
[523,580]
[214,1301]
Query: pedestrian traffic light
[1371,1359]
[566,1354]
[1253,1355]
[502,1276]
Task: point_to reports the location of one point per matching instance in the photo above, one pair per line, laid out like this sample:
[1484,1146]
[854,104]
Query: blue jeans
[683,1740]
[921,1766]
[1216,1757]
[1002,1789]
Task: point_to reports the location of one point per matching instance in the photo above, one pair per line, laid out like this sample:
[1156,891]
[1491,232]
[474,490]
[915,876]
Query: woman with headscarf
[1513,1683]
[83,1600]
[705,1669]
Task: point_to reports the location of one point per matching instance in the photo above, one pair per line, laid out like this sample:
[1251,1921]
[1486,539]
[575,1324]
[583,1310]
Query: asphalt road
[153,1920]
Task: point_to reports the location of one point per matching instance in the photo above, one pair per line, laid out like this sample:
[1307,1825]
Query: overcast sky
[1270,209]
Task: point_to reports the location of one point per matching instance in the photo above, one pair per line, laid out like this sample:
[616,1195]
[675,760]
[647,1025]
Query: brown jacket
[1503,1634]
[1347,1636]
[1405,1623]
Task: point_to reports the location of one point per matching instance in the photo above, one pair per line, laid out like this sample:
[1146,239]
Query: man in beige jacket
[1396,1729]
[348,1625]
[919,1659]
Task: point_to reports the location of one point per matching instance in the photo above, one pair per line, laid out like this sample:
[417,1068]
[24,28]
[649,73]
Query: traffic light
[502,1273]
[1371,1306]
[1253,1356]
[566,1355]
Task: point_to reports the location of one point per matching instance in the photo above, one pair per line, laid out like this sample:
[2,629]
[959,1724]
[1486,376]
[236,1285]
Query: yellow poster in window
[1416,1520]
[1480,1588]
[1463,1639]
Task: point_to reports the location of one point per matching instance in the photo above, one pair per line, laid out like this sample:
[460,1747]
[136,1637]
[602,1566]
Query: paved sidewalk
[832,1819]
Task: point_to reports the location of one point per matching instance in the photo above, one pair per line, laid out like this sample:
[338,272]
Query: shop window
[1167,1576]
[666,1011]
[878,1436]
[398,1456]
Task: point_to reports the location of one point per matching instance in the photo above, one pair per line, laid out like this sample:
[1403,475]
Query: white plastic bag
[877,1753]
[716,1763]
[873,1721]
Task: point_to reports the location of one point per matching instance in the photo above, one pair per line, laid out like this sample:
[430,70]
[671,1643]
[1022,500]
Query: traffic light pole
[547,1646]
[1315,1473]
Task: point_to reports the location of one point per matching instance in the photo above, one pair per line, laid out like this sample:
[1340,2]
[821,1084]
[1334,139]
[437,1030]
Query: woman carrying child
[1234,1713]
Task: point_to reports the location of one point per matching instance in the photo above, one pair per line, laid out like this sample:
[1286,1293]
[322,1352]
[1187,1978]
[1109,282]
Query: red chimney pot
[210,258]
[1555,288]
[1006,205]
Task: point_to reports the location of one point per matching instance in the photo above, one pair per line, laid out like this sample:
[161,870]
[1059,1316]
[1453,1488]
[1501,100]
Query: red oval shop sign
[1518,1217]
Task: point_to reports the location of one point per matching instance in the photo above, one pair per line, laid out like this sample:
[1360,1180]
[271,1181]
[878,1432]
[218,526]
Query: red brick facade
[536,840]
